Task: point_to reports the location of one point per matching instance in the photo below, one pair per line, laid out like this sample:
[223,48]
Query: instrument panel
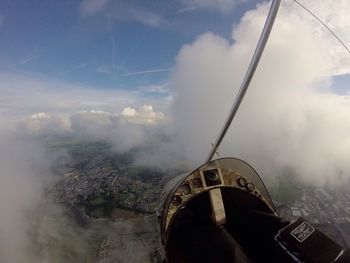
[212,176]
[204,180]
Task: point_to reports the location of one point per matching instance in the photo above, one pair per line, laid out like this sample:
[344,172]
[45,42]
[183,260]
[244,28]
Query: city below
[115,201]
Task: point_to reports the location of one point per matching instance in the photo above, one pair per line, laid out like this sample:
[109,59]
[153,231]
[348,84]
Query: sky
[110,44]
[105,43]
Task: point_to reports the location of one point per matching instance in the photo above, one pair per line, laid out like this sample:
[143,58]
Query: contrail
[113,53]
[145,72]
[33,54]
[80,66]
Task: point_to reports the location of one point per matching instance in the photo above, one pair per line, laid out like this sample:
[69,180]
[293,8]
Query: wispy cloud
[33,54]
[126,11]
[136,14]
[104,69]
[147,18]
[162,88]
[187,9]
[91,7]
[75,68]
[146,72]
[223,6]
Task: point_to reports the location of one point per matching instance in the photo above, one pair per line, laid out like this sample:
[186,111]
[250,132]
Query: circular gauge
[184,189]
[250,187]
[242,182]
[176,200]
[196,183]
[211,175]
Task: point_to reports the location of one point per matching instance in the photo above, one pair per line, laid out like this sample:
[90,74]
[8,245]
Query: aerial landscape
[113,202]
[106,104]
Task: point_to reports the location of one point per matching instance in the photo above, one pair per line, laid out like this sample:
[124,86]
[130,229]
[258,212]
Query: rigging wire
[324,24]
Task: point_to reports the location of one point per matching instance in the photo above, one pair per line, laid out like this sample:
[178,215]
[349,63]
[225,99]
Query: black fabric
[211,244]
[248,235]
[255,232]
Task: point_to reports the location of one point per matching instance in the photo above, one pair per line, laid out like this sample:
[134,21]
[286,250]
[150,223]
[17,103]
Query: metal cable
[324,24]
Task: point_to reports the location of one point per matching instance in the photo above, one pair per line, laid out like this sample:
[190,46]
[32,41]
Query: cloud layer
[125,131]
[290,117]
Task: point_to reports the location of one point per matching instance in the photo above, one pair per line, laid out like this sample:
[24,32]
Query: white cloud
[91,7]
[25,224]
[129,112]
[144,115]
[290,117]
[93,125]
[124,131]
[42,123]
[223,6]
[24,169]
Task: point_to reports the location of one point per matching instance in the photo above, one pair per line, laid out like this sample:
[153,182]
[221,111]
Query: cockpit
[222,212]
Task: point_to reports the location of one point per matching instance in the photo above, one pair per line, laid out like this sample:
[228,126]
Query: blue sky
[115,44]
[106,43]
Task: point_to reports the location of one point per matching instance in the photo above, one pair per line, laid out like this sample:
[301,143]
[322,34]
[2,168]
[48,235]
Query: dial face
[196,183]
[184,189]
[242,182]
[211,177]
[250,187]
[176,200]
